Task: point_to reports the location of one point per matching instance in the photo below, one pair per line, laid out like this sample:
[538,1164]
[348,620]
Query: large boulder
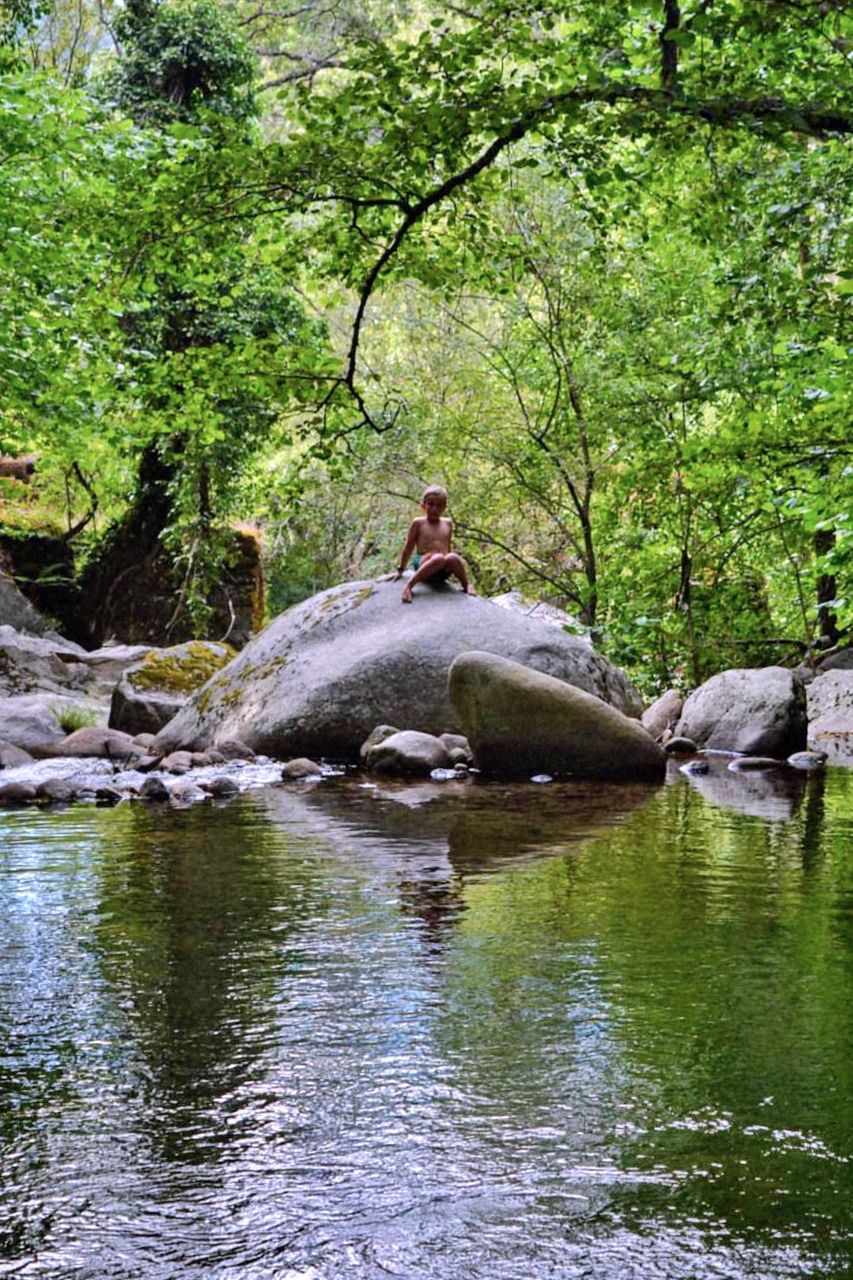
[756,711]
[154,688]
[830,711]
[324,674]
[520,721]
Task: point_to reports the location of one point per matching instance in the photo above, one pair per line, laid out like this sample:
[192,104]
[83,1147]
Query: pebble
[809,760]
[680,747]
[753,764]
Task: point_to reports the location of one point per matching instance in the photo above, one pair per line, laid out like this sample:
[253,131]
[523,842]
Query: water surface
[431,1031]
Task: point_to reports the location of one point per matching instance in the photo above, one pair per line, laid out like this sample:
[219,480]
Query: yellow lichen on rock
[183,668]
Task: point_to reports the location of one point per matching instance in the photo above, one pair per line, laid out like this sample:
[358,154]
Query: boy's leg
[456,565]
[428,568]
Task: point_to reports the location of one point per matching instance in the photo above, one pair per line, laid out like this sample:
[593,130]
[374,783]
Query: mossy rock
[154,689]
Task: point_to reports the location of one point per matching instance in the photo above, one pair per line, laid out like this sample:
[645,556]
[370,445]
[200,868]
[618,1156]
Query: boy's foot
[406,597]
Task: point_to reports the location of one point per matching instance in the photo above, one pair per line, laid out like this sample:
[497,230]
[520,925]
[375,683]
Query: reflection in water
[431,1031]
[774,794]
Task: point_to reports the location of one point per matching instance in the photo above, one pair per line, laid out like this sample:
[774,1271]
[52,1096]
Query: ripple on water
[435,1031]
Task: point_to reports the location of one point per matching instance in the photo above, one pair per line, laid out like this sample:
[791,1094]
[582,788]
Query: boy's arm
[449,534]
[408,547]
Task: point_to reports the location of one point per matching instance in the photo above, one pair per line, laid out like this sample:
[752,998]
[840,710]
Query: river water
[431,1031]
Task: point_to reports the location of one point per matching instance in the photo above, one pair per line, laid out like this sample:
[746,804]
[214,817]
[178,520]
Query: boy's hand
[393,577]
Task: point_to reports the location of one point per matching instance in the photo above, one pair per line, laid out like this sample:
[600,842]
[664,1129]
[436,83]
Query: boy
[429,537]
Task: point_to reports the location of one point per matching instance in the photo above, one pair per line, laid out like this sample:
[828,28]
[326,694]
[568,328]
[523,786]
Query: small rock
[143,739]
[301,767]
[221,788]
[154,789]
[460,768]
[12,756]
[215,757]
[177,762]
[56,791]
[409,752]
[443,775]
[147,764]
[809,760]
[680,747]
[457,746]
[233,749]
[459,755]
[373,739]
[106,797]
[109,744]
[753,764]
[695,766]
[200,759]
[15,793]
[185,793]
[541,777]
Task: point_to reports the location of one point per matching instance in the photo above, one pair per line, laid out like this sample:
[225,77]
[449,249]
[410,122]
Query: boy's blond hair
[437,489]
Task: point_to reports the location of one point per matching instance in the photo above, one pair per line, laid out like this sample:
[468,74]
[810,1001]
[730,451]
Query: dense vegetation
[588,265]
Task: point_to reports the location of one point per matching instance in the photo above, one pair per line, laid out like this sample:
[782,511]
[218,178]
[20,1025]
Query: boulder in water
[521,722]
[324,674]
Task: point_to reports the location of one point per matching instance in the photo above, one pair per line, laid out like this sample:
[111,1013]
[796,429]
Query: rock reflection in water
[773,794]
[440,833]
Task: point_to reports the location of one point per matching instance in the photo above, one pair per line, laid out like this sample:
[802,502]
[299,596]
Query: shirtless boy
[430,537]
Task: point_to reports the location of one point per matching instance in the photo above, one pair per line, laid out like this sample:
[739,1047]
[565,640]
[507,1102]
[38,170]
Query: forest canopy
[588,266]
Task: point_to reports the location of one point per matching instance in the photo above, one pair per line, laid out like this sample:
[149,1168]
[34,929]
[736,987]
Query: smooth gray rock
[221,788]
[680,747]
[301,767]
[520,722]
[324,674]
[56,791]
[810,761]
[830,711]
[13,794]
[543,611]
[185,793]
[409,753]
[377,735]
[662,716]
[756,711]
[93,740]
[11,756]
[234,749]
[154,789]
[177,762]
[754,764]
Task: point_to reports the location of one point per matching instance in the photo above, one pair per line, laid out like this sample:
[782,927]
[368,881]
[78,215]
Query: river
[431,1031]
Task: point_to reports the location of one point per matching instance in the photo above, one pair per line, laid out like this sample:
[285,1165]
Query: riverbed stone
[301,767]
[377,735]
[221,788]
[184,793]
[662,716]
[521,722]
[155,687]
[93,740]
[680,747]
[56,791]
[177,762]
[11,756]
[324,674]
[154,789]
[409,753]
[754,764]
[756,711]
[13,794]
[830,711]
[813,761]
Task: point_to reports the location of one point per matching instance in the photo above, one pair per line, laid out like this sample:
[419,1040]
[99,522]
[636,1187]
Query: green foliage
[180,59]
[71,717]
